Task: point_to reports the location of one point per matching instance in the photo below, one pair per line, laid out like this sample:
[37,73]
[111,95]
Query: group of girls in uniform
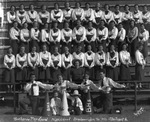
[75,41]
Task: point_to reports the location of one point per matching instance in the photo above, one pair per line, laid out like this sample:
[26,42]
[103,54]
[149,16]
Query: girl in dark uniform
[45,63]
[77,72]
[21,16]
[25,37]
[33,63]
[66,36]
[35,34]
[90,36]
[112,63]
[57,15]
[132,39]
[102,35]
[66,63]
[55,37]
[125,61]
[67,14]
[44,16]
[100,61]
[140,65]
[45,38]
[56,64]
[143,39]
[79,35]
[98,15]
[9,73]
[32,16]
[127,16]
[21,63]
[90,62]
[11,16]
[15,37]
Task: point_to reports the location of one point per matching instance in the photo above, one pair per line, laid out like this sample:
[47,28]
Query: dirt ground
[128,115]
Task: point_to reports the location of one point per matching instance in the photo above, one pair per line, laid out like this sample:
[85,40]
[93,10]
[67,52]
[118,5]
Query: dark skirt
[139,72]
[125,73]
[55,74]
[44,74]
[15,46]
[66,73]
[113,73]
[90,72]
[9,76]
[132,48]
[34,71]
[126,25]
[34,43]
[21,74]
[145,49]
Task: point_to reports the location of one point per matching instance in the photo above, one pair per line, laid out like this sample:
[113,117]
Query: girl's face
[25,25]
[66,25]
[132,23]
[44,48]
[102,23]
[60,78]
[46,26]
[97,6]
[117,8]
[79,49]
[126,8]
[66,49]
[124,47]
[100,48]
[89,48]
[44,8]
[12,8]
[136,7]
[87,6]
[78,23]
[120,26]
[106,7]
[112,24]
[22,49]
[55,25]
[10,50]
[35,25]
[77,64]
[31,7]
[145,8]
[86,76]
[56,49]
[67,5]
[15,25]
[21,7]
[77,5]
[142,27]
[34,49]
[56,6]
[112,47]
[90,24]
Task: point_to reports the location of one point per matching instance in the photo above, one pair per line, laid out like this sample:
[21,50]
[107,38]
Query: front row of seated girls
[76,107]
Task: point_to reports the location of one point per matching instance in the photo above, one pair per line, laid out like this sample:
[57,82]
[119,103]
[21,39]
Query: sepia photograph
[74,61]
